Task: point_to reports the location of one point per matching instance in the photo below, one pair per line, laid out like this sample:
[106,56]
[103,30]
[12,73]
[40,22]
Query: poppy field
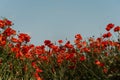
[91,59]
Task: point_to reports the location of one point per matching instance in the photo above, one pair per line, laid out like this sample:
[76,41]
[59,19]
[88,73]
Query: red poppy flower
[39,70]
[19,54]
[68,45]
[59,60]
[104,44]
[82,58]
[36,74]
[38,78]
[97,62]
[101,64]
[15,40]
[105,70]
[15,49]
[1,37]
[2,40]
[9,31]
[60,41]
[85,49]
[7,22]
[69,56]
[25,49]
[107,35]
[44,58]
[2,24]
[34,64]
[99,39]
[47,42]
[116,29]
[78,36]
[109,26]
[84,43]
[24,37]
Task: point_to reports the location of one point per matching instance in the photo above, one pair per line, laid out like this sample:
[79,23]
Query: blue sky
[60,19]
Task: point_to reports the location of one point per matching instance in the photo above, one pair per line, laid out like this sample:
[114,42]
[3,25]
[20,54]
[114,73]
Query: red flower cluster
[116,29]
[109,26]
[81,52]
[107,35]
[5,22]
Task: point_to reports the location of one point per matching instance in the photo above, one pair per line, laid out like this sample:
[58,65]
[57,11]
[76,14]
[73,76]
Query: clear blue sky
[60,19]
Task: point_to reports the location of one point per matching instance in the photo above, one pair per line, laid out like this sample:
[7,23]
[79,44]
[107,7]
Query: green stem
[91,71]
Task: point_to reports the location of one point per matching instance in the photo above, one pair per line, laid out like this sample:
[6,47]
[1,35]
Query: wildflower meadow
[91,59]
